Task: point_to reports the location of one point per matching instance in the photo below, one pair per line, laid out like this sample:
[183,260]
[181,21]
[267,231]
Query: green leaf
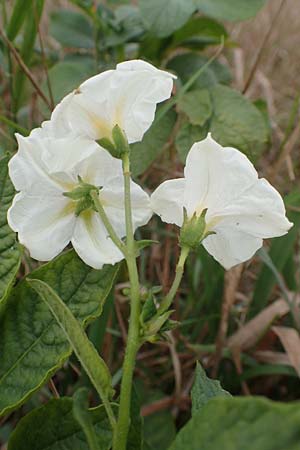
[53,427]
[135,435]
[83,416]
[130,27]
[199,32]
[145,152]
[71,29]
[163,18]
[242,424]
[233,10]
[159,428]
[68,75]
[88,356]
[204,389]
[17,18]
[197,106]
[10,254]
[32,345]
[186,64]
[188,134]
[237,122]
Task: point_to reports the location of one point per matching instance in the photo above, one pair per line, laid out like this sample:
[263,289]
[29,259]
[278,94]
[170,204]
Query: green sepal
[82,196]
[153,326]
[193,230]
[149,309]
[120,141]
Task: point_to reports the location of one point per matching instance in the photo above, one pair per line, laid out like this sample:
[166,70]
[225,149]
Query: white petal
[126,96]
[168,200]
[99,168]
[65,155]
[26,167]
[44,221]
[231,247]
[112,197]
[259,211]
[215,176]
[92,243]
[137,92]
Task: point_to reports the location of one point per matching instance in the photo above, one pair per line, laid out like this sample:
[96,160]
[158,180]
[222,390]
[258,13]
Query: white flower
[241,208]
[126,96]
[43,170]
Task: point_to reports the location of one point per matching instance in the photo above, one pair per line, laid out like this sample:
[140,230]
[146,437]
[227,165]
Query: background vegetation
[243,325]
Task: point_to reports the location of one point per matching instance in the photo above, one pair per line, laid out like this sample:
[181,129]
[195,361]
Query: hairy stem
[133,341]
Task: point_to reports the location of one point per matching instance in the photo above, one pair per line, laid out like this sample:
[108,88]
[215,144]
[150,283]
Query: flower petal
[231,247]
[215,176]
[92,243]
[99,168]
[168,200]
[259,212]
[26,167]
[126,96]
[44,221]
[112,197]
[65,155]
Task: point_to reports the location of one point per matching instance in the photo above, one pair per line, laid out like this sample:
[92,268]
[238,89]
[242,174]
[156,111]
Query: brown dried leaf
[269,357]
[249,334]
[290,340]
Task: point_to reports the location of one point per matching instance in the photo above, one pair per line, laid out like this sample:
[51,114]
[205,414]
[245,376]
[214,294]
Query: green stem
[133,341]
[113,235]
[167,301]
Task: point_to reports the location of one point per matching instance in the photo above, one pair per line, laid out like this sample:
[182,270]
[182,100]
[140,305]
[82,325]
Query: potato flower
[126,96]
[53,207]
[222,187]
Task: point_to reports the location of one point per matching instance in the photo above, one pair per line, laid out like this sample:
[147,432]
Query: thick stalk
[133,341]
[167,301]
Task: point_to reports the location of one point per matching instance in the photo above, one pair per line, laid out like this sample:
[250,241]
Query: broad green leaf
[233,10]
[88,356]
[159,429]
[34,13]
[197,106]
[280,250]
[236,122]
[145,152]
[199,32]
[68,75]
[71,29]
[242,424]
[187,135]
[83,416]
[204,389]
[53,427]
[163,18]
[32,345]
[10,254]
[130,27]
[17,18]
[135,435]
[186,64]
